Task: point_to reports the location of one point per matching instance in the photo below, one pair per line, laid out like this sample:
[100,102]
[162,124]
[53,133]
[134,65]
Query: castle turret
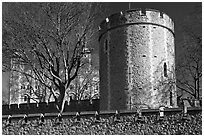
[137,60]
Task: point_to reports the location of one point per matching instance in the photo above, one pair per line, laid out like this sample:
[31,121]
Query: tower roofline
[136,16]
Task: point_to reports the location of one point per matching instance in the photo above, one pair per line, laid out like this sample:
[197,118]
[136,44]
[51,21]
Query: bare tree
[49,39]
[190,70]
[189,64]
[87,81]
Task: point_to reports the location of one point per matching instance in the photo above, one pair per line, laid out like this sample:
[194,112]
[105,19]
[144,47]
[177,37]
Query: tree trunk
[61,98]
[196,83]
[198,88]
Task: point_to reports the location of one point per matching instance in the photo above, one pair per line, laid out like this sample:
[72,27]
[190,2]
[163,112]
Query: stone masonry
[137,60]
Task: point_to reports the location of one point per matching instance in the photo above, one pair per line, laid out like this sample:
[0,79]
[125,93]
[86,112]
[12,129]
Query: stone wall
[43,107]
[137,60]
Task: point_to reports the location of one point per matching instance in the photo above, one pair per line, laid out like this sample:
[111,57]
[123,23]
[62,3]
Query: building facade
[137,60]
[24,89]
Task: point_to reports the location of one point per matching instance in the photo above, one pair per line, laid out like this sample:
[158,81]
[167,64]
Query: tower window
[165,70]
[171,97]
[106,46]
[25,98]
[129,75]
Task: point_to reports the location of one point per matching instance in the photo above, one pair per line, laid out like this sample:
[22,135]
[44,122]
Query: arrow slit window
[165,70]
[106,46]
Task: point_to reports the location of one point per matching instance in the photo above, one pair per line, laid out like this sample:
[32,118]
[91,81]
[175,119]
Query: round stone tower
[137,60]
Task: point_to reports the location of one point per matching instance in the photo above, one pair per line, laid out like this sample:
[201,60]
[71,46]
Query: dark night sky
[178,11]
[174,9]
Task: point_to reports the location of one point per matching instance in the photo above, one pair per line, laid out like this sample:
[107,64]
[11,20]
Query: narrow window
[86,87]
[96,87]
[129,75]
[36,86]
[165,70]
[171,97]
[25,98]
[106,46]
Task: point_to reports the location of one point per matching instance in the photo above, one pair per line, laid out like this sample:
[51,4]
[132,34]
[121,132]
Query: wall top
[137,16]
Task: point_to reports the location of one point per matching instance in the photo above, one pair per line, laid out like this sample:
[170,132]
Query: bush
[171,125]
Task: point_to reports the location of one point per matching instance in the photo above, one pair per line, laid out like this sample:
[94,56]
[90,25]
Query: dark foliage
[172,124]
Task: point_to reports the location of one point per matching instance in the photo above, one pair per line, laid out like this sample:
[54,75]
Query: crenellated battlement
[136,16]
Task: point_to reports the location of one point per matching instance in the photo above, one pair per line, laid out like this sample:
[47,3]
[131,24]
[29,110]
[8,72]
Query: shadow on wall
[43,107]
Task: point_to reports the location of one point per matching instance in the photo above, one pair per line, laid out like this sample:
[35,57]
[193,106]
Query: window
[36,86]
[171,99]
[165,70]
[23,87]
[25,98]
[85,56]
[106,46]
[161,14]
[96,87]
[29,87]
[86,87]
[129,75]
